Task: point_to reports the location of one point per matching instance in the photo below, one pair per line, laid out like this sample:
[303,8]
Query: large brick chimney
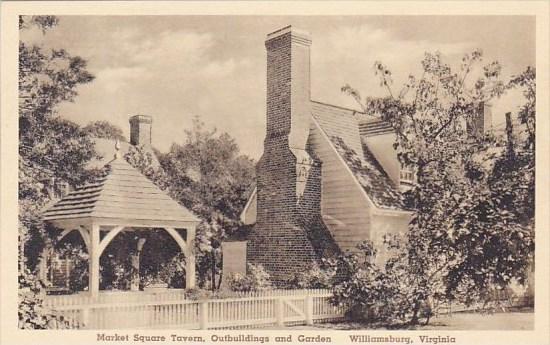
[288,175]
[140,130]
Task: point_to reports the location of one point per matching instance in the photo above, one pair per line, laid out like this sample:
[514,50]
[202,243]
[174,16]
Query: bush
[32,315]
[78,277]
[376,293]
[314,278]
[171,273]
[256,279]
[197,294]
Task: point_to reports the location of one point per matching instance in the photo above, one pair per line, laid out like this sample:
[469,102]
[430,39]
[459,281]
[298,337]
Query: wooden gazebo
[123,200]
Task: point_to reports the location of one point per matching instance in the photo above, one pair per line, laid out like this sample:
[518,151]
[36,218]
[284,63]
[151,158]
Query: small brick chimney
[481,121]
[140,130]
[288,175]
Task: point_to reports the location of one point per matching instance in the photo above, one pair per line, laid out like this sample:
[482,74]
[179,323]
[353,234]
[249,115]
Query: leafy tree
[53,152]
[513,175]
[105,130]
[461,240]
[42,22]
[209,177]
[527,115]
[146,161]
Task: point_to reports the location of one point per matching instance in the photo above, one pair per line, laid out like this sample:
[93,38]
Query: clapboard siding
[343,205]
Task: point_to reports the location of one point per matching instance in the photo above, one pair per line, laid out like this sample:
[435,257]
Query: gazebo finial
[117,149]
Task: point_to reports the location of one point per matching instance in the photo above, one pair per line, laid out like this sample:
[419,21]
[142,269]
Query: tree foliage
[208,174]
[105,130]
[53,152]
[463,236]
[210,177]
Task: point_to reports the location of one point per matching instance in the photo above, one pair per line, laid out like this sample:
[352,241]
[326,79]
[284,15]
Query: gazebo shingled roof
[124,194]
[124,199]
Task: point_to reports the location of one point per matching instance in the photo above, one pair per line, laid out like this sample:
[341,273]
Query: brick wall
[288,174]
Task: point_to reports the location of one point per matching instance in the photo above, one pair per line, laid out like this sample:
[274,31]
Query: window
[407,178]
[406,175]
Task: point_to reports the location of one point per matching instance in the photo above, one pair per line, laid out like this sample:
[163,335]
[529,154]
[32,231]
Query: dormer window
[407,178]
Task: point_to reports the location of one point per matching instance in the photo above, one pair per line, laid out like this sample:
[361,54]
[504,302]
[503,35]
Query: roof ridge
[339,107]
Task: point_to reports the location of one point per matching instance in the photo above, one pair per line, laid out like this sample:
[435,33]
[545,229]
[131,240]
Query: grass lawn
[516,320]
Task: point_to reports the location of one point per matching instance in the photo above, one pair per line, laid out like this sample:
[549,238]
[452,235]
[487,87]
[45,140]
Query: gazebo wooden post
[190,258]
[135,280]
[94,254]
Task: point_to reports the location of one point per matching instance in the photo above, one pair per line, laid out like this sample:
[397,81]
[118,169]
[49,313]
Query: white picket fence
[171,310]
[118,297]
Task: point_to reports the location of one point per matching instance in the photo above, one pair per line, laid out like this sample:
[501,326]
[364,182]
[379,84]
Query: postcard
[275,172]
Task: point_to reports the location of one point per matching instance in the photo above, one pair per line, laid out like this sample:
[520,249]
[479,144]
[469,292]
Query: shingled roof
[124,193]
[341,127]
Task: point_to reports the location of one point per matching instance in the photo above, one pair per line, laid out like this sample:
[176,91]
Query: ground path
[457,321]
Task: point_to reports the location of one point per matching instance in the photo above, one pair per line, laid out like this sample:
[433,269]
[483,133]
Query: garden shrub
[376,293]
[256,279]
[78,277]
[32,314]
[170,272]
[314,278]
[196,294]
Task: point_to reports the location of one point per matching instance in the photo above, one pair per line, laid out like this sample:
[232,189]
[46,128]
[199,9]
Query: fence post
[86,317]
[280,311]
[203,314]
[309,310]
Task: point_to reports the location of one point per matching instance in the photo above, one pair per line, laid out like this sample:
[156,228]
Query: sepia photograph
[297,173]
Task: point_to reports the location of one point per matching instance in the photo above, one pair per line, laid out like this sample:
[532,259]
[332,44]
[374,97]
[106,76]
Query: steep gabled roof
[124,193]
[341,127]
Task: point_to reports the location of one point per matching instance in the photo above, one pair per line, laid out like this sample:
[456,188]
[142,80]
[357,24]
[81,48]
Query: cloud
[222,69]
[176,73]
[347,55]
[172,75]
[112,79]
[173,48]
[182,58]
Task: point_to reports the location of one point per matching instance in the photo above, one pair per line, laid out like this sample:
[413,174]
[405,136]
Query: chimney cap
[141,119]
[289,29]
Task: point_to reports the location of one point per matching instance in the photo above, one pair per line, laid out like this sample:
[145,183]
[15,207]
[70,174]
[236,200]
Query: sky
[176,67]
